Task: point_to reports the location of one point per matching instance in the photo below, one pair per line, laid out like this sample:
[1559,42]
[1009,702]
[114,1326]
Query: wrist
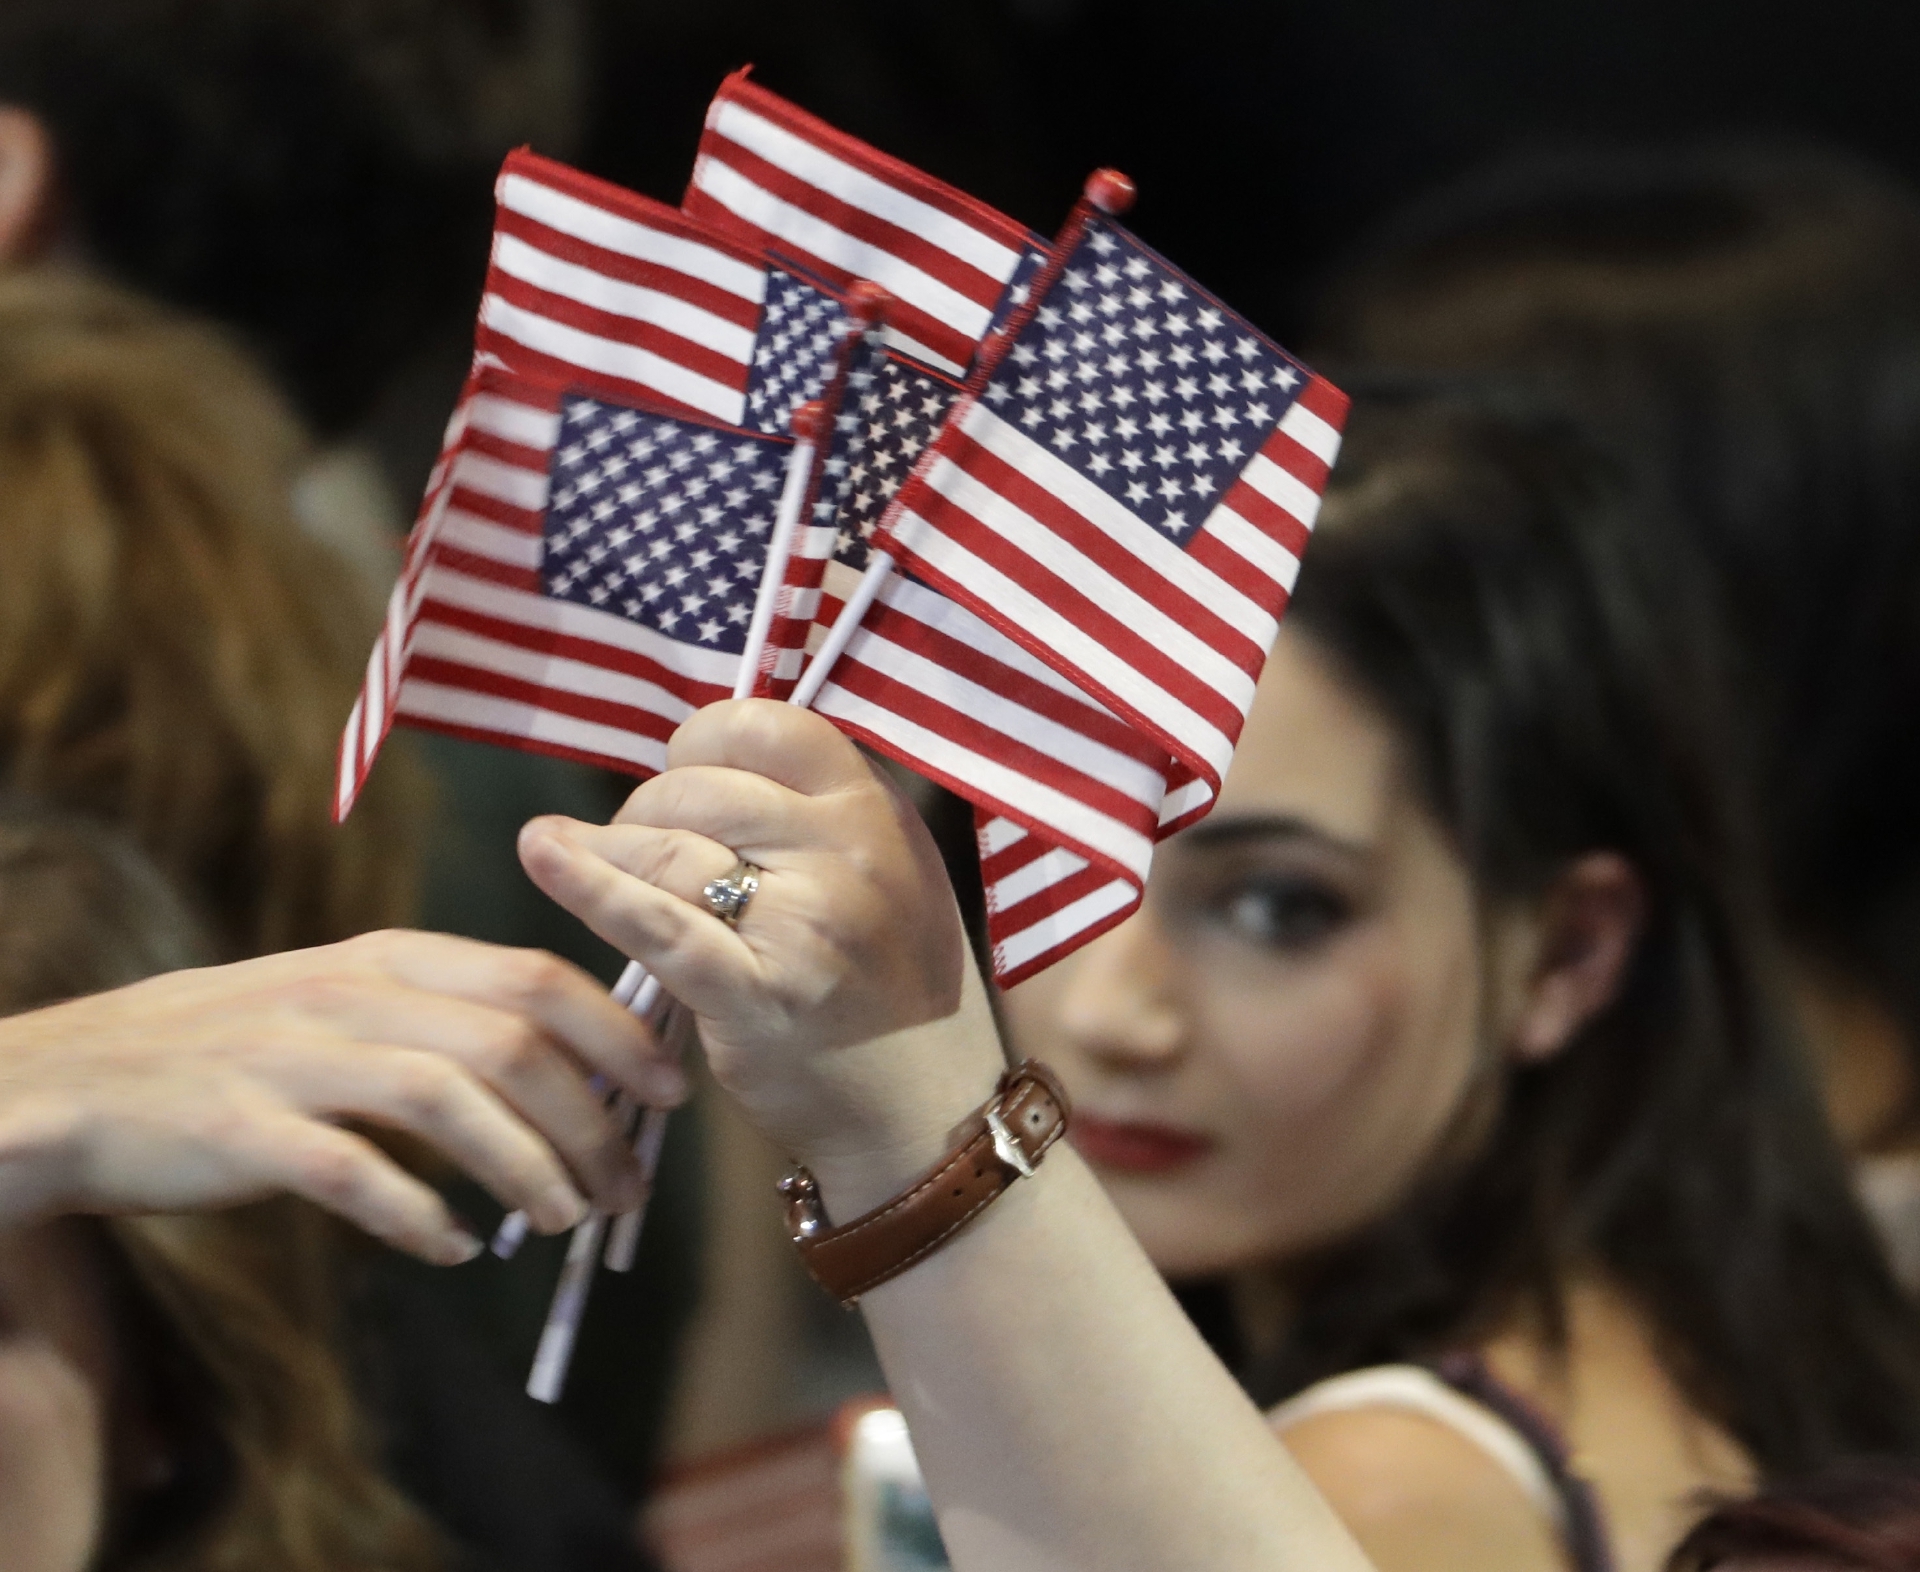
[1002,1142]
[907,1122]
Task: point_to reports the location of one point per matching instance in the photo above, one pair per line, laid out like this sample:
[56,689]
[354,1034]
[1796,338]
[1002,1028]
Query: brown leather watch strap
[1002,1142]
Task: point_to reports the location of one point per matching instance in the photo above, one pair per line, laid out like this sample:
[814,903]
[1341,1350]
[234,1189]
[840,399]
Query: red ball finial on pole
[867,303]
[1110,191]
[809,422]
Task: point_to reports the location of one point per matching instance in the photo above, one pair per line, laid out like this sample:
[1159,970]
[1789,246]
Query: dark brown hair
[1553,687]
[1860,1517]
[313,174]
[1742,322]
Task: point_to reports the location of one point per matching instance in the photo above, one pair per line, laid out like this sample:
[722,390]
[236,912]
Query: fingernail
[458,1247]
[560,1208]
[669,1088]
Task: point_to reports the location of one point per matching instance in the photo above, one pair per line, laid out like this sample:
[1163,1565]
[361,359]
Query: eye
[1285,914]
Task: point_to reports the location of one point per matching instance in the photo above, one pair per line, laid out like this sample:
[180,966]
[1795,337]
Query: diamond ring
[727,898]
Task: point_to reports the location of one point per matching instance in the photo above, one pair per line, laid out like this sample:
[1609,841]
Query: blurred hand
[211,1087]
[834,1010]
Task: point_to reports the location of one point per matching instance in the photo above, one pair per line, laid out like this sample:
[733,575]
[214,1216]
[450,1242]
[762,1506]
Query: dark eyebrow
[1236,830]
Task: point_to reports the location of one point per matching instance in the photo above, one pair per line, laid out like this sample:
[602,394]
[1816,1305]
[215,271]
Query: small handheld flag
[1127,492]
[780,178]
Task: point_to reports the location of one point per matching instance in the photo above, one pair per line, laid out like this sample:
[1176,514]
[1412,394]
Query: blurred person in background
[176,654]
[170,1391]
[174,1389]
[1743,325]
[315,176]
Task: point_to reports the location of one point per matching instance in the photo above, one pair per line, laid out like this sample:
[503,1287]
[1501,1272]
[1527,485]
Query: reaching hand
[210,1087]
[852,938]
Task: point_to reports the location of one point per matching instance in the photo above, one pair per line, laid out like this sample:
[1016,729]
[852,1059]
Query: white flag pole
[807,421]
[551,1358]
[639,990]
[840,635]
[624,1241]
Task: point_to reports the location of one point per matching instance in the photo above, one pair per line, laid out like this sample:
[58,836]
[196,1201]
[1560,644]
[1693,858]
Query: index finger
[562,1000]
[795,747]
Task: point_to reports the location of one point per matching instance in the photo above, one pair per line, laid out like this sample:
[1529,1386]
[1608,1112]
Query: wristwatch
[1001,1142]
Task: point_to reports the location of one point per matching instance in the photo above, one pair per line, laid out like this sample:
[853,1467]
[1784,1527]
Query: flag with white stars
[582,583]
[887,410]
[1104,531]
[801,331]
[638,305]
[889,416]
[661,521]
[1129,494]
[929,683]
[1019,291]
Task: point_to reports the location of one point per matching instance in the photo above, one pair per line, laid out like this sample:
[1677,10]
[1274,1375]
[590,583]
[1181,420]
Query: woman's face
[1265,1055]
[56,1374]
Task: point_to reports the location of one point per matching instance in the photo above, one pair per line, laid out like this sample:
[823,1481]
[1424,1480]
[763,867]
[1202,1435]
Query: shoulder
[1419,1494]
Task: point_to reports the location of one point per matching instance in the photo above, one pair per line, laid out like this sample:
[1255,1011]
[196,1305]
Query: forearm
[1065,1412]
[1063,1408]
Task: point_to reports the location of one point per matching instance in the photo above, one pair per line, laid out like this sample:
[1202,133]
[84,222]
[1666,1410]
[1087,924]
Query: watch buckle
[1005,1147]
[805,1217]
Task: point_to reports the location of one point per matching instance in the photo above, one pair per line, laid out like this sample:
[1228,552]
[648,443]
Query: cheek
[1331,1082]
[52,1460]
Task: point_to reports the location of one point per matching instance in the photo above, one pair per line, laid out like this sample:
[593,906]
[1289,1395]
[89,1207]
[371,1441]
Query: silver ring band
[727,897]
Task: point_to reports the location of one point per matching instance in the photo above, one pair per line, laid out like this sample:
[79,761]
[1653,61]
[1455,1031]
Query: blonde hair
[176,656]
[226,1322]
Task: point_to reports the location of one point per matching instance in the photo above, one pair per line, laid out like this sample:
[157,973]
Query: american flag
[929,683]
[592,284]
[1129,494]
[1214,442]
[582,581]
[776,175]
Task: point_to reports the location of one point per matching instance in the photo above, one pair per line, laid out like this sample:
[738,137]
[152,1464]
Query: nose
[1120,1002]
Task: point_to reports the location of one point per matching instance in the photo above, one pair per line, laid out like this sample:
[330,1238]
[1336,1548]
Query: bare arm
[209,1087]
[1064,1410]
[1062,1406]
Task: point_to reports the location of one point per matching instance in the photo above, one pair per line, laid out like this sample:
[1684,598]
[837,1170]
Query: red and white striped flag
[929,683]
[1120,511]
[774,174]
[582,584]
[602,288]
[1129,493]
[595,288]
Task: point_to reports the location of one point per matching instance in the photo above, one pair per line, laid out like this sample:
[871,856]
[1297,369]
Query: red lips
[1136,1148]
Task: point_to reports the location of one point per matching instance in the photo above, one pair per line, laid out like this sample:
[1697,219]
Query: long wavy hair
[225,1321]
[1554,686]
[176,656]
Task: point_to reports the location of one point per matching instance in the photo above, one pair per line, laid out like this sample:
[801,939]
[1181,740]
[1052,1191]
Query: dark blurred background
[1264,137]
[317,173]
